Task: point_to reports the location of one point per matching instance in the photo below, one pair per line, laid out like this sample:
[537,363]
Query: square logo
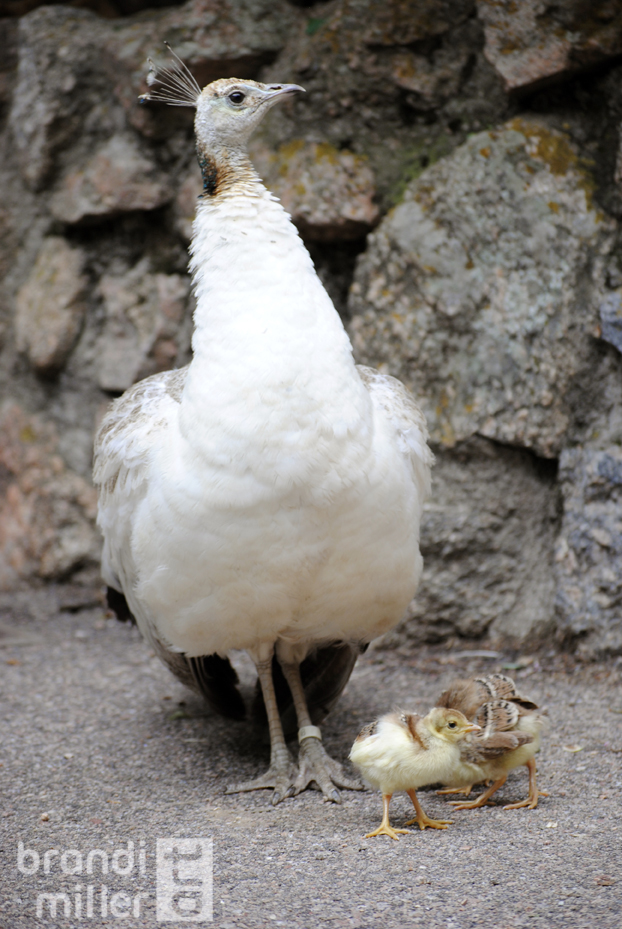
[184,880]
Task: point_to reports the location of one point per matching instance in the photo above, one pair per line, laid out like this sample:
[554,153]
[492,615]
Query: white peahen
[267,496]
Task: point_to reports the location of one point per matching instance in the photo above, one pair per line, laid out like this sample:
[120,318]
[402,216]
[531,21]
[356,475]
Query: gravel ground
[101,747]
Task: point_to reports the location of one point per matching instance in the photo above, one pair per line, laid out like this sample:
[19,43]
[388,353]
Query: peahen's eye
[237,97]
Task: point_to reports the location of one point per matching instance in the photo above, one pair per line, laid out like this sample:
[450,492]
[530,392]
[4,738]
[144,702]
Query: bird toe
[317,767]
[279,778]
[385,829]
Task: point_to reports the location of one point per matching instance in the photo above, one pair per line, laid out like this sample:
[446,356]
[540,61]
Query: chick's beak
[472,727]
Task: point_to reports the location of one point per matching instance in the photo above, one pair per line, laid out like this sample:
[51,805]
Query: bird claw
[385,829]
[280,778]
[424,821]
[530,803]
[317,766]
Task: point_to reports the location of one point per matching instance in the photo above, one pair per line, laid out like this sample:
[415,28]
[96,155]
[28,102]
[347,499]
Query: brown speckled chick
[510,736]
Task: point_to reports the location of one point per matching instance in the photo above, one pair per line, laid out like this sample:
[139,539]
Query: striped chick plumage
[511,728]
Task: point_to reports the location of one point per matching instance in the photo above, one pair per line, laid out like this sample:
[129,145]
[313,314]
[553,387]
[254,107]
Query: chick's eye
[237,97]
[452,725]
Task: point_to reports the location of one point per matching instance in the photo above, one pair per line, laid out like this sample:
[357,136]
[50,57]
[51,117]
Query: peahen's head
[228,110]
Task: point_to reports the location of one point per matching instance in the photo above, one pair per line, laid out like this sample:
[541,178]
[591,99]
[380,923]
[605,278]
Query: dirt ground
[101,747]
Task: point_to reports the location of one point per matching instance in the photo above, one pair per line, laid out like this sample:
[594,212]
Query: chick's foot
[532,800]
[386,829]
[530,803]
[469,805]
[482,799]
[422,819]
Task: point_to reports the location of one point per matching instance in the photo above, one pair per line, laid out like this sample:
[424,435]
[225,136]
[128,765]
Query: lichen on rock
[610,312]
[529,42]
[478,288]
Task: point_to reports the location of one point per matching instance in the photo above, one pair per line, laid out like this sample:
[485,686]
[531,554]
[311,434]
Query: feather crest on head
[177,86]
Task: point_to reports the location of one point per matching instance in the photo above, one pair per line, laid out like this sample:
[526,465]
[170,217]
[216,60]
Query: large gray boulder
[488,536]
[589,550]
[485,291]
[531,42]
[50,306]
[480,290]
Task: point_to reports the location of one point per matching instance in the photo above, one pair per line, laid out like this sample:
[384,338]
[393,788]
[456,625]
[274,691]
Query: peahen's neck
[267,339]
[259,299]
[225,171]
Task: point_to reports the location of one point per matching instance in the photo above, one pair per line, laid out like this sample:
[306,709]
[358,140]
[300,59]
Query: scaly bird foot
[279,777]
[317,766]
[531,802]
[424,821]
[386,829]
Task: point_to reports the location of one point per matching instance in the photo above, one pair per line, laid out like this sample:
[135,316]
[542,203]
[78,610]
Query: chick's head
[451,725]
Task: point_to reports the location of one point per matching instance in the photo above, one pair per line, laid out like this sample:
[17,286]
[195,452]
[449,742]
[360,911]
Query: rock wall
[455,169]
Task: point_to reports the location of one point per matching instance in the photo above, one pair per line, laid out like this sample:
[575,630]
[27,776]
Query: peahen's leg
[282,772]
[314,762]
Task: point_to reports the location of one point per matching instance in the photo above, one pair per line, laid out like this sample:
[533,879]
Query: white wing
[122,446]
[401,409]
[135,423]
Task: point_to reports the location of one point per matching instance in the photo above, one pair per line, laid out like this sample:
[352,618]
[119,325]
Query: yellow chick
[510,736]
[403,751]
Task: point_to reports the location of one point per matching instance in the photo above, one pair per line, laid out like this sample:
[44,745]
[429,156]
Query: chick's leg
[482,799]
[532,800]
[385,828]
[315,763]
[422,819]
[465,791]
[281,773]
